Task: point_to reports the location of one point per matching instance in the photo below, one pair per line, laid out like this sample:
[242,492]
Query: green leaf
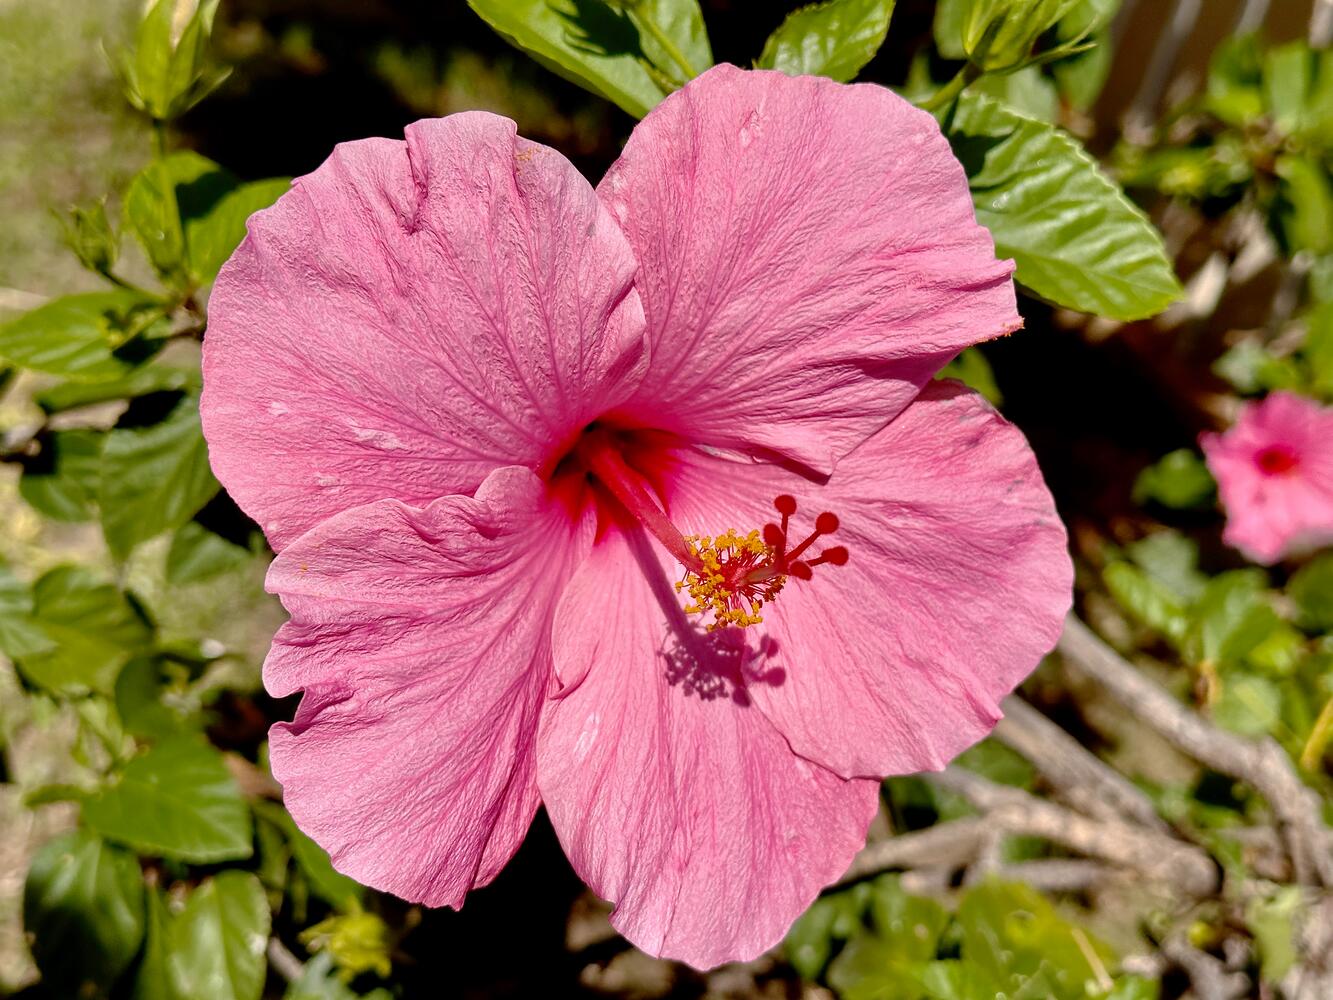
[1248,705]
[600,47]
[910,925]
[330,885]
[834,917]
[154,479]
[1014,937]
[87,232]
[1251,369]
[198,554]
[870,968]
[948,28]
[1179,480]
[1146,599]
[833,39]
[218,941]
[189,214]
[1273,922]
[1231,618]
[320,981]
[92,628]
[83,911]
[176,801]
[1077,240]
[168,72]
[1026,91]
[80,336]
[140,705]
[973,370]
[61,480]
[1235,81]
[1318,349]
[140,382]
[147,71]
[1303,210]
[1312,590]
[20,634]
[1081,77]
[213,233]
[152,980]
[1173,561]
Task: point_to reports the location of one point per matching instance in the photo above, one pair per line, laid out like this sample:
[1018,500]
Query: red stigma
[1277,460]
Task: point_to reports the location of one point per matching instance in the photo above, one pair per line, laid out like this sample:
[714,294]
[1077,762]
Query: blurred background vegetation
[1158,870]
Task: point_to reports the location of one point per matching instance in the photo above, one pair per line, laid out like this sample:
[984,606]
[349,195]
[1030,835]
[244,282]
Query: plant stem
[950,91]
[1313,751]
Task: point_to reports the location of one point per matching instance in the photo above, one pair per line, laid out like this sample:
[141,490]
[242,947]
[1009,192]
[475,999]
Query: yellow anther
[735,576]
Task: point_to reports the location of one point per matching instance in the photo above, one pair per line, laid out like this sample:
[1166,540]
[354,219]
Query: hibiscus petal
[672,795]
[411,316]
[957,583]
[809,257]
[421,638]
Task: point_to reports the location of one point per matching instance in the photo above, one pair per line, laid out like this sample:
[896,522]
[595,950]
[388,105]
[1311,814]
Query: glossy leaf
[179,801]
[92,627]
[1075,237]
[600,46]
[20,634]
[217,229]
[79,336]
[84,911]
[219,938]
[139,382]
[154,479]
[834,39]
[61,480]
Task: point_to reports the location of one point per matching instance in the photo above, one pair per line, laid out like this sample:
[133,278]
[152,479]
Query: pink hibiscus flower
[638,503]
[1274,472]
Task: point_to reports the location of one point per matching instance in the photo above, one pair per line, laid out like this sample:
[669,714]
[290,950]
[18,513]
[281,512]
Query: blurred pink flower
[1274,472]
[494,421]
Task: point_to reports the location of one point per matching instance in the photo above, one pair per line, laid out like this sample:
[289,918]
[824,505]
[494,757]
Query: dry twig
[1153,854]
[1081,778]
[1260,763]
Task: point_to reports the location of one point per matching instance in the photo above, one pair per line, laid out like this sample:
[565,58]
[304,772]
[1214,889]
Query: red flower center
[1277,459]
[729,576]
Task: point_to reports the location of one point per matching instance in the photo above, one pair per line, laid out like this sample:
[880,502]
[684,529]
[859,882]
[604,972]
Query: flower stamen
[730,576]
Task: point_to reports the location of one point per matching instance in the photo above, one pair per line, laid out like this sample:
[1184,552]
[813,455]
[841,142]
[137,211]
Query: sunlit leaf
[177,800]
[93,630]
[599,46]
[85,336]
[834,39]
[1077,240]
[61,480]
[218,940]
[154,479]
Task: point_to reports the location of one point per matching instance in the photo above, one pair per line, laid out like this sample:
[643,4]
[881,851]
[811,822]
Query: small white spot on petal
[588,736]
[277,409]
[376,438]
